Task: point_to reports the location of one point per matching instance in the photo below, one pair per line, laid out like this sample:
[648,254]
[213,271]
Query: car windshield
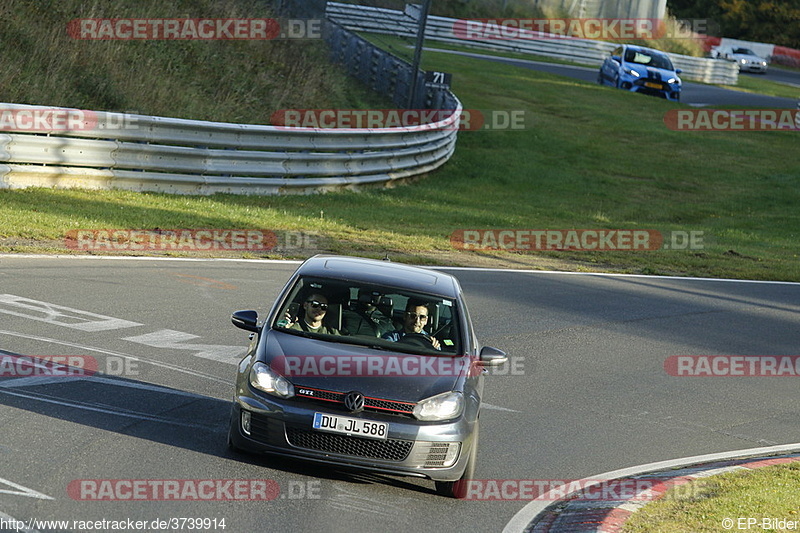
[744,51]
[650,59]
[371,315]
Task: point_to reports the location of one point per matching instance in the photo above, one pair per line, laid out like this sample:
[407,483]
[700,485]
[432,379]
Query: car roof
[384,273]
[644,49]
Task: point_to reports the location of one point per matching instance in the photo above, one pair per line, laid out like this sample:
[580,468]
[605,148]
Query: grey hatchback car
[367,365]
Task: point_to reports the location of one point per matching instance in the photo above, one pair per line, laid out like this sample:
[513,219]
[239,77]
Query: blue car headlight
[630,72]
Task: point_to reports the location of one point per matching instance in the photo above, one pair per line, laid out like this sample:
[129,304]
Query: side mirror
[678,71]
[247,320]
[492,356]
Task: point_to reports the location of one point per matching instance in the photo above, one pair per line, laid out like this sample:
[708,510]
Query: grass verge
[754,83]
[719,503]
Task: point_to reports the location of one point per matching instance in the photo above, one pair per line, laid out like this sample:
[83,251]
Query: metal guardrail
[198,157]
[582,51]
[113,150]
[201,157]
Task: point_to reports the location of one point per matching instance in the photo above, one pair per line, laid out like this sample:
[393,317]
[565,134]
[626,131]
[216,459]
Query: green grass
[404,48]
[222,80]
[589,157]
[764,493]
[753,83]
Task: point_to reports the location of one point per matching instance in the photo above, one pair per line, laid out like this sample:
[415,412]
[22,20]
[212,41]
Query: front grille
[259,428]
[437,456]
[370,404]
[389,449]
[388,405]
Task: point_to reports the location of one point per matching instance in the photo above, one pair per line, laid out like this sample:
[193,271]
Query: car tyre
[458,488]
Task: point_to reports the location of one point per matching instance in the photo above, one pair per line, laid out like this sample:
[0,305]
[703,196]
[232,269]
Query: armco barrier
[196,157]
[582,51]
[146,153]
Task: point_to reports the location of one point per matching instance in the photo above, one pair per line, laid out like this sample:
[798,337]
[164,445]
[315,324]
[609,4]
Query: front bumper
[753,67]
[652,87]
[437,451]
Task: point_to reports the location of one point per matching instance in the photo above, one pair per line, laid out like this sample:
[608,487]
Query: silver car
[368,365]
[747,60]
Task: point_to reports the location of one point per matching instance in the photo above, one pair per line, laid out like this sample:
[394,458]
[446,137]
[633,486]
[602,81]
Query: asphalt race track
[586,391]
[695,94]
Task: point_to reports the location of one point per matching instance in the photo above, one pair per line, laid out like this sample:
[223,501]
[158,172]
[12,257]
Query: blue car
[641,70]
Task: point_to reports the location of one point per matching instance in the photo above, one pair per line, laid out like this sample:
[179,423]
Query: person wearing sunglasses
[415,319]
[314,309]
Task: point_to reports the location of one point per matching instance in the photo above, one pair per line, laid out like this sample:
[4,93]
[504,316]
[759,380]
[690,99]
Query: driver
[414,321]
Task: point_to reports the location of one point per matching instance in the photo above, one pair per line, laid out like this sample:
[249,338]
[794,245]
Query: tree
[770,21]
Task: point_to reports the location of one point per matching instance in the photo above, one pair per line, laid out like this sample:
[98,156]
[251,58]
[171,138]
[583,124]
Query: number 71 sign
[439,80]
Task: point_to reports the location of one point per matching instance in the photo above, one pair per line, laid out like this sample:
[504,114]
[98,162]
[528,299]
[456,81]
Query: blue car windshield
[641,57]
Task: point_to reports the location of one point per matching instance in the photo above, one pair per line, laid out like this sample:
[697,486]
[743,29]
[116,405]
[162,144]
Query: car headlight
[443,406]
[743,61]
[630,71]
[672,80]
[263,378]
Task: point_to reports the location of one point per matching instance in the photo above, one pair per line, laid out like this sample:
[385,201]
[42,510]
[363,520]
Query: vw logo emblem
[354,401]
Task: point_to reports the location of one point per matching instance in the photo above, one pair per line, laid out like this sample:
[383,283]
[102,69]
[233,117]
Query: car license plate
[652,85]
[350,426]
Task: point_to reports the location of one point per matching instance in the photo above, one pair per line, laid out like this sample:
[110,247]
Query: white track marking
[176,340]
[19,490]
[59,315]
[83,347]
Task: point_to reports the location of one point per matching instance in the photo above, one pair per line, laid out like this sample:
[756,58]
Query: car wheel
[458,488]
